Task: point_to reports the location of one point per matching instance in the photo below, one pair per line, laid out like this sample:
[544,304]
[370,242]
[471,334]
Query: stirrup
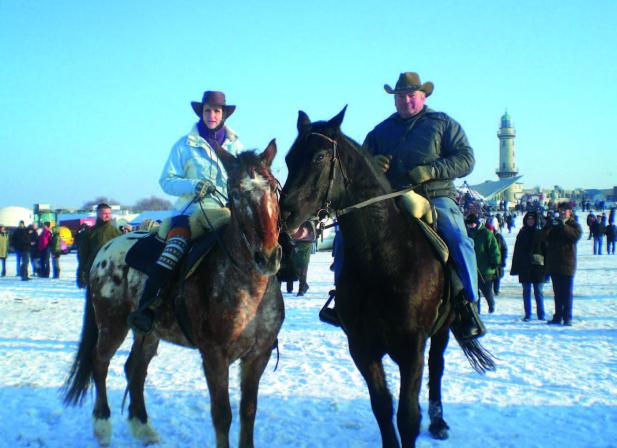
[141,321]
[329,315]
[467,324]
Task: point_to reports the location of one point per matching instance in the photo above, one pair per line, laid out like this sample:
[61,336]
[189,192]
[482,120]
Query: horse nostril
[260,260]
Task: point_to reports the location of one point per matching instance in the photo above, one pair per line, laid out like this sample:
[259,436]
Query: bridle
[243,236]
[324,212]
[326,209]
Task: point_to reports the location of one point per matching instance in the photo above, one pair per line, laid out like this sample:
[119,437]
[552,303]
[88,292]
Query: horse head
[316,178]
[253,201]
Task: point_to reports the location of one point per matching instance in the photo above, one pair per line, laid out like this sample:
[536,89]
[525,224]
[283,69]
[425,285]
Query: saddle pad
[142,255]
[198,251]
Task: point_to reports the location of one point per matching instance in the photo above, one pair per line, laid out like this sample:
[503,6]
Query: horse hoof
[102,430]
[144,431]
[439,429]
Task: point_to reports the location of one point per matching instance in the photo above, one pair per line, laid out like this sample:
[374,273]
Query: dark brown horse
[233,302]
[391,284]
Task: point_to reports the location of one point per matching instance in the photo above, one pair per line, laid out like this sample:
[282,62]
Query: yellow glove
[382,162]
[417,206]
[421,174]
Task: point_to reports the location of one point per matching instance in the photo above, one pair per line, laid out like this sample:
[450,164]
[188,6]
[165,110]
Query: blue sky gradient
[93,95]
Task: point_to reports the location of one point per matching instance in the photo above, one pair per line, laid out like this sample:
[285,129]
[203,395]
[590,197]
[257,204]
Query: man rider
[419,146]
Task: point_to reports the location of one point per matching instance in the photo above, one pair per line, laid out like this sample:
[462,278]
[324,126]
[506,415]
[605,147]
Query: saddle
[148,248]
[146,251]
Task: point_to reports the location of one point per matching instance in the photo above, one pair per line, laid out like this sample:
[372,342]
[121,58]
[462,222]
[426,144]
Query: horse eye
[319,157]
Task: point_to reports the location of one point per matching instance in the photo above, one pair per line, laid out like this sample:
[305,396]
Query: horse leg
[136,369]
[410,361]
[372,371]
[109,340]
[216,369]
[439,341]
[250,376]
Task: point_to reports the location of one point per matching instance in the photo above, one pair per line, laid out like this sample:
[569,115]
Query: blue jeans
[610,247]
[451,226]
[597,245]
[538,294]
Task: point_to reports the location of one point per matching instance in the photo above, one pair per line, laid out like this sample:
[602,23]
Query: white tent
[10,216]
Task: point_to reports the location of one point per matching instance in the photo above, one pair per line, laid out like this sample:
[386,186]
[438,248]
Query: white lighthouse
[507,161]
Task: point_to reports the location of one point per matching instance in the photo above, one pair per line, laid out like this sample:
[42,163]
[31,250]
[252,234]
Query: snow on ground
[554,387]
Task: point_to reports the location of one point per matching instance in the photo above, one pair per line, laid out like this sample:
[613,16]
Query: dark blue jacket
[428,138]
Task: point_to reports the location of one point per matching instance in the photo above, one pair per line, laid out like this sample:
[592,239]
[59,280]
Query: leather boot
[467,324]
[142,319]
[329,315]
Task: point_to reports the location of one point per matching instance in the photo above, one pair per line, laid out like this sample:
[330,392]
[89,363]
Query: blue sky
[93,94]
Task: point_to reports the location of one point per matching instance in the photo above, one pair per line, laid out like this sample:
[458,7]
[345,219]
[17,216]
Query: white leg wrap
[144,432]
[102,430]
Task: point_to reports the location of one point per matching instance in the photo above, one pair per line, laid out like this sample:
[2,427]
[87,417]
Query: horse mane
[250,161]
[352,149]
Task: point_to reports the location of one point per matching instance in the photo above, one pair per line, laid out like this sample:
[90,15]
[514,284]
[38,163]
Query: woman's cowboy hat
[410,82]
[213,98]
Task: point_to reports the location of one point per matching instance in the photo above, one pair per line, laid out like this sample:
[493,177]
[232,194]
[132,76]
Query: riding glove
[421,174]
[204,188]
[382,162]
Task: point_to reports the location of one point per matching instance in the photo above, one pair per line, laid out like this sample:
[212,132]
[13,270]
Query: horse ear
[336,121]
[304,122]
[269,153]
[226,158]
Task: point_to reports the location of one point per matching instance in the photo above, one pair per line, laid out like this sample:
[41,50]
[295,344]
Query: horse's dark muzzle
[268,263]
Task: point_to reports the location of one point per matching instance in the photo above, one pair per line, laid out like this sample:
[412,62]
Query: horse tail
[80,375]
[481,359]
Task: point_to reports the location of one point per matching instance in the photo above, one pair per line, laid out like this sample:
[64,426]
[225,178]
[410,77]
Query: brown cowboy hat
[213,98]
[410,82]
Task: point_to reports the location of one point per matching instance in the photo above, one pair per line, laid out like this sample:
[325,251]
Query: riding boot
[467,324]
[329,315]
[142,318]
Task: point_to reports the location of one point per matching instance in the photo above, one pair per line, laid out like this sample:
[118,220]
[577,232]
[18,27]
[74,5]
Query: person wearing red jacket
[44,249]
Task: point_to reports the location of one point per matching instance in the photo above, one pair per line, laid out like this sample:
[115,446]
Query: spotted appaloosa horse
[391,284]
[233,301]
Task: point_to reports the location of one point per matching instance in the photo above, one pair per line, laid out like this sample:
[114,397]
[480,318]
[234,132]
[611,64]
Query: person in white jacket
[194,174]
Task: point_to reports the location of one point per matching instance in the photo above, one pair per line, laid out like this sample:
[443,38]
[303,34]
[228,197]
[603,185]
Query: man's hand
[204,188]
[382,162]
[421,174]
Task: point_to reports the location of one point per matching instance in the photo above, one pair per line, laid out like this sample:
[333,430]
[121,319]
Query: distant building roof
[490,188]
[155,215]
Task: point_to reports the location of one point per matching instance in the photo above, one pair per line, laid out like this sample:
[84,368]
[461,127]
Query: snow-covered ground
[554,386]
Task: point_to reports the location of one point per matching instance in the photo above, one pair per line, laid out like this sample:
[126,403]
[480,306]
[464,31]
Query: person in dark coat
[303,242]
[503,250]
[591,219]
[34,249]
[418,146]
[487,256]
[93,240]
[598,228]
[287,273]
[20,241]
[561,235]
[528,264]
[610,237]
